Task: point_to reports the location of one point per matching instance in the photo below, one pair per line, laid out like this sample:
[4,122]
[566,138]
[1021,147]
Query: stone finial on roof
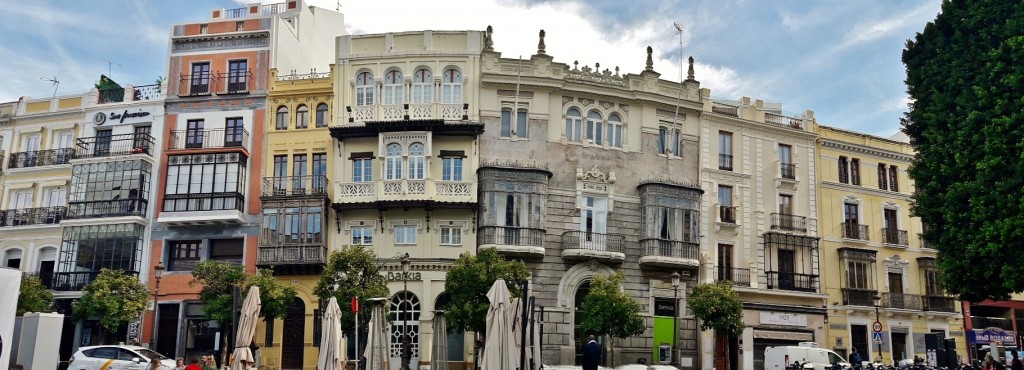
[540,45]
[488,41]
[689,72]
[650,59]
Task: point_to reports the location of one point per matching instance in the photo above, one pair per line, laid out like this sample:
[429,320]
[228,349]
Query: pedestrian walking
[591,354]
[180,365]
[194,363]
[1016,364]
[855,360]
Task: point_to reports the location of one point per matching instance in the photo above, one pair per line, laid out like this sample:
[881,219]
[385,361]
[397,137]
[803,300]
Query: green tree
[717,307]
[275,296]
[352,272]
[115,298]
[964,77]
[607,310]
[219,279]
[33,296]
[469,280]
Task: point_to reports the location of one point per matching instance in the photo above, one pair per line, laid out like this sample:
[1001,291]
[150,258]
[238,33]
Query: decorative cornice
[865,189]
[855,148]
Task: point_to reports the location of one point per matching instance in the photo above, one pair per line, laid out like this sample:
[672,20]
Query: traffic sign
[877,338]
[876,327]
[355,304]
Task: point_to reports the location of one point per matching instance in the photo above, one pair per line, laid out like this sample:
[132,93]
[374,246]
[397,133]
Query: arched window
[321,115]
[393,83]
[12,258]
[416,161]
[573,125]
[302,117]
[393,161]
[282,118]
[364,88]
[422,87]
[405,307]
[595,126]
[614,130]
[451,87]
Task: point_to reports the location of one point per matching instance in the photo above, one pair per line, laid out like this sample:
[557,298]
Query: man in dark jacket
[855,359]
[591,354]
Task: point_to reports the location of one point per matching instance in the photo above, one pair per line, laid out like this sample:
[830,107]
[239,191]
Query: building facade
[758,174]
[405,170]
[869,235]
[585,171]
[210,180]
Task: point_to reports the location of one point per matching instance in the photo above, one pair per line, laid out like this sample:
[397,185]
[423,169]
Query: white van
[779,358]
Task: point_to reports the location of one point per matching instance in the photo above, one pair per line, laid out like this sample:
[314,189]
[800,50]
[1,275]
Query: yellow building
[874,264]
[294,198]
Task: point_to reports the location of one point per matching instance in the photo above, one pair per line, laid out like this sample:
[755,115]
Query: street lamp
[158,272]
[406,345]
[878,304]
[675,313]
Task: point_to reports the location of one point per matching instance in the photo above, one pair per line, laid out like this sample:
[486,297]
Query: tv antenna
[54,81]
[110,65]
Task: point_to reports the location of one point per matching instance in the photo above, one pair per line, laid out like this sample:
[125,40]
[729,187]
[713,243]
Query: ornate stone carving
[488,41]
[586,102]
[595,174]
[624,107]
[890,205]
[540,45]
[567,100]
[594,74]
[850,198]
[689,72]
[650,60]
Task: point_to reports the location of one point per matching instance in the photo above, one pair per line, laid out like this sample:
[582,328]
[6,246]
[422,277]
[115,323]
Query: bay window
[205,182]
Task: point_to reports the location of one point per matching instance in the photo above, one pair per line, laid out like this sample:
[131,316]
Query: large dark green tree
[965,77]
[115,298]
[468,282]
[607,310]
[33,296]
[352,272]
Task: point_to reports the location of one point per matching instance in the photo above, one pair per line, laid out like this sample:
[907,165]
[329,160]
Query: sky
[839,58]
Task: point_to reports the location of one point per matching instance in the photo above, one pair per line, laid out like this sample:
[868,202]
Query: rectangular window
[857,274]
[725,150]
[405,234]
[319,172]
[239,26]
[199,81]
[883,176]
[203,29]
[22,199]
[302,117]
[183,255]
[850,213]
[932,286]
[855,171]
[143,139]
[238,76]
[280,165]
[844,172]
[194,134]
[299,171]
[889,217]
[451,236]
[574,127]
[203,182]
[227,250]
[234,132]
[594,215]
[362,235]
[894,176]
[321,116]
[895,283]
[519,125]
[362,170]
[785,204]
[108,189]
[725,195]
[451,169]
[281,123]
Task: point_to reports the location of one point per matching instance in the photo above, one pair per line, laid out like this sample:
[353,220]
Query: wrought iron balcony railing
[201,139]
[788,171]
[781,120]
[854,231]
[593,241]
[41,158]
[203,202]
[107,208]
[236,82]
[859,297]
[510,235]
[788,222]
[115,145]
[147,92]
[792,281]
[670,248]
[902,301]
[32,216]
[725,162]
[194,85]
[895,237]
[738,276]
[727,214]
[288,186]
[939,303]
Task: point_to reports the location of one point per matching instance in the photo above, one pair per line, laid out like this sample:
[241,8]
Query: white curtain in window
[422,87]
[451,87]
[393,88]
[416,161]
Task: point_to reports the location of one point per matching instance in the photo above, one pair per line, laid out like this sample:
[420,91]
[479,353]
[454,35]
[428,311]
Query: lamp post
[406,345]
[675,314]
[878,304]
[158,272]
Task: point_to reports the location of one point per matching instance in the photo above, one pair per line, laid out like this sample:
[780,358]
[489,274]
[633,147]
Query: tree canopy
[33,296]
[607,310]
[351,272]
[114,297]
[717,307]
[219,280]
[469,280]
[964,78]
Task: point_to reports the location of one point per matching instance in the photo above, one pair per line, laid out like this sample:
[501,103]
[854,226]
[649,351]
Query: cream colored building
[870,238]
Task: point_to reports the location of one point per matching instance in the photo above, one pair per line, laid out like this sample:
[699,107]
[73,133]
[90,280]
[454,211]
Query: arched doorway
[456,337]
[293,338]
[405,306]
[579,336]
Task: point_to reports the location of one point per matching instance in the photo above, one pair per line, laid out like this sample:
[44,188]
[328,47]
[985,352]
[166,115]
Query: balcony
[398,190]
[236,82]
[991,322]
[397,112]
[107,208]
[294,186]
[669,253]
[895,237]
[781,120]
[122,94]
[727,214]
[725,162]
[32,216]
[792,281]
[194,85]
[115,145]
[519,241]
[738,276]
[205,139]
[788,222]
[589,245]
[202,209]
[939,303]
[75,281]
[787,171]
[40,158]
[859,297]
[902,301]
[293,259]
[854,231]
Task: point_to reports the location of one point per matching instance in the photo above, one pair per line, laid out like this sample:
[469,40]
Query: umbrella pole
[357,339]
[522,348]
[532,324]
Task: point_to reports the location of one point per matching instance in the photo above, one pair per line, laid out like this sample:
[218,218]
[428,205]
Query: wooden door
[293,336]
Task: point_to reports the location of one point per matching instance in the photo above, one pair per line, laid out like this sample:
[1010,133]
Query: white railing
[404,189]
[355,189]
[453,188]
[417,187]
[421,111]
[452,111]
[392,112]
[363,113]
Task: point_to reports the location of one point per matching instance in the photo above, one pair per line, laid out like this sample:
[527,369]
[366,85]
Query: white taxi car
[115,357]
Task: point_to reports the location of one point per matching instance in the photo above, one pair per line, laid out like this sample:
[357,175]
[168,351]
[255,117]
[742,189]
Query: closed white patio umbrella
[499,353]
[439,355]
[377,339]
[246,330]
[331,355]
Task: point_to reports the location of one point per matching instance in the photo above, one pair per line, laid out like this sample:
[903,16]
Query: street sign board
[876,327]
[355,304]
[877,338]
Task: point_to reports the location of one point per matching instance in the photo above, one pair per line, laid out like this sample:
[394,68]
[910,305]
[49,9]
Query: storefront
[777,326]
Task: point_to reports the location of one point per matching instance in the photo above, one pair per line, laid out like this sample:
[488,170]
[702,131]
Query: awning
[783,335]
